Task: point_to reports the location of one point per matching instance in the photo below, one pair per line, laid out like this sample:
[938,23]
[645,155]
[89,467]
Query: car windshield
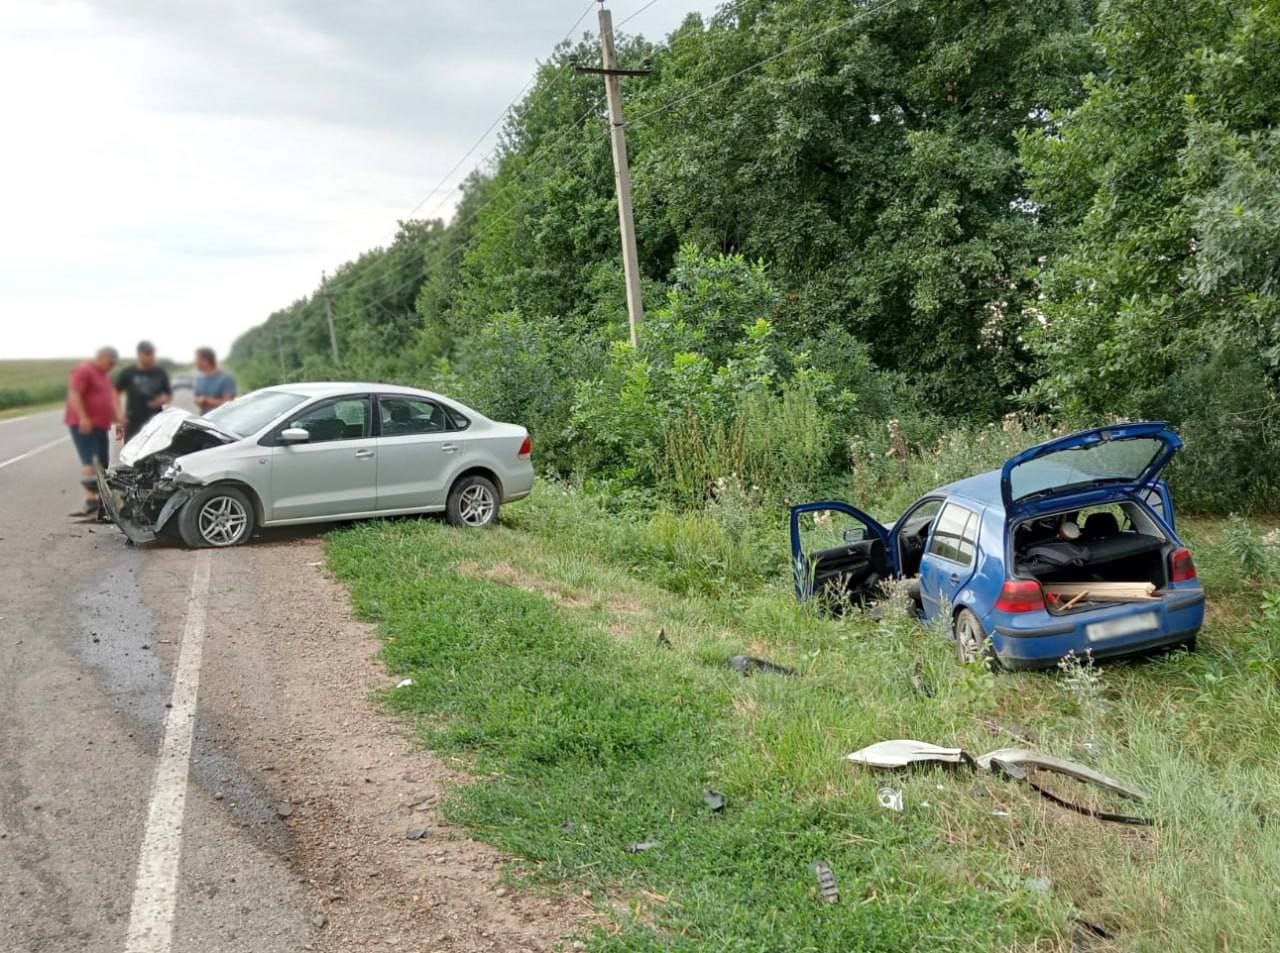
[1122,460]
[248,414]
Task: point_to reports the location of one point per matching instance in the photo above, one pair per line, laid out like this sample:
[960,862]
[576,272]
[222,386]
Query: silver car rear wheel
[473,502]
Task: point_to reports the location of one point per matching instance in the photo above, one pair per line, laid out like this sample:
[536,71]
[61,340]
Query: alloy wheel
[476,505]
[223,521]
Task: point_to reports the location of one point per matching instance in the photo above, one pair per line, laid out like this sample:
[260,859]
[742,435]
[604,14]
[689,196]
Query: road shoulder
[291,675]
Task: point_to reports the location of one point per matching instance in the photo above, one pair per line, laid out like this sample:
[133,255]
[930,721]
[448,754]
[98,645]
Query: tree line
[933,213]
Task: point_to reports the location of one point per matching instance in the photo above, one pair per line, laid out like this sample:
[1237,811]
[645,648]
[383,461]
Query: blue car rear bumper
[1039,639]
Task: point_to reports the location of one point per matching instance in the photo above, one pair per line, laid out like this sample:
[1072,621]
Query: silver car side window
[344,419]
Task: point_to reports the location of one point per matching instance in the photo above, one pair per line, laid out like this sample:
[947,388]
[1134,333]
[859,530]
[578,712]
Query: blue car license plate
[1126,625]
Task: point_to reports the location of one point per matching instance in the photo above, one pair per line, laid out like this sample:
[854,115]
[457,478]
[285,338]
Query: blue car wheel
[971,641]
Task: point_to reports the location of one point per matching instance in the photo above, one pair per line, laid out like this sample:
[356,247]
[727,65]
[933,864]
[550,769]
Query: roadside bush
[524,369]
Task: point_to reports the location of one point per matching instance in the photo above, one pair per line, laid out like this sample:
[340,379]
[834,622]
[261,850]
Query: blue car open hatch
[1128,456]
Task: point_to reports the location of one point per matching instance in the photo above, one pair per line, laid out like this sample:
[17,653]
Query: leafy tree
[1161,187]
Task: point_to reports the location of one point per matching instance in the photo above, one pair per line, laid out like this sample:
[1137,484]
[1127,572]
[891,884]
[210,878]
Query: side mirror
[294,435]
[854,535]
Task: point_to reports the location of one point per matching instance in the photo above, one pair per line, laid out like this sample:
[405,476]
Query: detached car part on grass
[1069,547]
[1015,763]
[307,453]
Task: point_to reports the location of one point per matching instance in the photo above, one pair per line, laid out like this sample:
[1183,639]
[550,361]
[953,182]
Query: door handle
[364,454]
[448,448]
[955,577]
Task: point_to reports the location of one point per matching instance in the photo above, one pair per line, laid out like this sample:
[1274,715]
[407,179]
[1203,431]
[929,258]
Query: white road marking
[155,893]
[31,453]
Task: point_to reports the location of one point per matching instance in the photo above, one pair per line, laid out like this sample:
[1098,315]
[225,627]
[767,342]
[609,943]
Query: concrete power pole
[328,315]
[621,173]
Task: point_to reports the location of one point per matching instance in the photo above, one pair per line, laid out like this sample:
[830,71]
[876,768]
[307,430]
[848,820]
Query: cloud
[178,169]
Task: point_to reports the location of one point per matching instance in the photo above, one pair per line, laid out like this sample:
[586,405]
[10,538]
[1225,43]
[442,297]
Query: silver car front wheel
[216,516]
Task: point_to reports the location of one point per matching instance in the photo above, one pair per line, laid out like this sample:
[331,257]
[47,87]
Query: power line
[631,16]
[543,149]
[521,178]
[502,115]
[341,286]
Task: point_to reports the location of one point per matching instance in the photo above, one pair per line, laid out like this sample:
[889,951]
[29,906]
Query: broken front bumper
[122,510]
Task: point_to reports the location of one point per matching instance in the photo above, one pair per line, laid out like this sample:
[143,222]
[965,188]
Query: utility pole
[621,174]
[328,314]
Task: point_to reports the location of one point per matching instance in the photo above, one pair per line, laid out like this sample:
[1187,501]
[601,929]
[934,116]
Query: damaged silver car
[306,453]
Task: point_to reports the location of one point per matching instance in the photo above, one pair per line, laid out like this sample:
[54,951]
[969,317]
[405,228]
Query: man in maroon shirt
[91,411]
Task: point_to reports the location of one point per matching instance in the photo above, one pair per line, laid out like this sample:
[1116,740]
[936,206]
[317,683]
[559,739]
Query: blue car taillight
[1181,566]
[1020,595]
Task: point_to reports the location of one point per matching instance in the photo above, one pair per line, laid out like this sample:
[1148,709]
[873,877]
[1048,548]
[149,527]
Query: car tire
[971,641]
[473,502]
[216,516]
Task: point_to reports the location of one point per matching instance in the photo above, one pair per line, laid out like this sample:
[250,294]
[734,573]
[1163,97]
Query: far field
[30,383]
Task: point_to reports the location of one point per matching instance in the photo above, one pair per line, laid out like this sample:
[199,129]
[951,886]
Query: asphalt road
[126,825]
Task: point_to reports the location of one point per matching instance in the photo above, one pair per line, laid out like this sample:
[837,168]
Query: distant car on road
[1069,547]
[304,453]
[183,380]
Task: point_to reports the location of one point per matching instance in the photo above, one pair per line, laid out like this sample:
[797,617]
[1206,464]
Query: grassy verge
[535,655]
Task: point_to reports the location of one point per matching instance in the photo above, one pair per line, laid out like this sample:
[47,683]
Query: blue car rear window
[1112,460]
[955,536]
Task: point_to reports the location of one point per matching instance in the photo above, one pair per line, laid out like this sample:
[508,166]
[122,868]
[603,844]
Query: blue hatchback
[1069,547]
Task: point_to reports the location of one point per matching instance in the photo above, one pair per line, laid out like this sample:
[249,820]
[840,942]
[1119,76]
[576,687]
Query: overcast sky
[178,169]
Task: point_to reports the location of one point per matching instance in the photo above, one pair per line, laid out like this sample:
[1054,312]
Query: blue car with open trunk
[1069,547]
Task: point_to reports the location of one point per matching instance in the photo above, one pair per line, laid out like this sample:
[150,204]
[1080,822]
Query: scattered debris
[714,800]
[1016,763]
[749,664]
[1019,772]
[404,683]
[828,889]
[890,798]
[319,921]
[1088,930]
[1038,884]
[1024,758]
[416,833]
[641,846]
[284,810]
[903,751]
[917,681]
[663,641]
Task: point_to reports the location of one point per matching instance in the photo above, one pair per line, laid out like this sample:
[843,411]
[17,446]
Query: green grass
[30,383]
[535,659]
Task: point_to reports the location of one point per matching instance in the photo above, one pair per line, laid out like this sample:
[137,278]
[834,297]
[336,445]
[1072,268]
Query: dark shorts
[92,447]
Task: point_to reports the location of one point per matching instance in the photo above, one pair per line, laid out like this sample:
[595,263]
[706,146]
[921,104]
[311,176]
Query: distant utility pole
[621,174]
[328,316]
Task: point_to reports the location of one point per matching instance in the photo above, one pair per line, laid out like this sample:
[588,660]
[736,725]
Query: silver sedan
[305,453]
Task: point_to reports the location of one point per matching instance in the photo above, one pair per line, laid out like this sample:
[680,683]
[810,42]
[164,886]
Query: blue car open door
[838,553]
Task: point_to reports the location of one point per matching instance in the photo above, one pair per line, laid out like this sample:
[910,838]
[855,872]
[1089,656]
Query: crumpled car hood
[158,434]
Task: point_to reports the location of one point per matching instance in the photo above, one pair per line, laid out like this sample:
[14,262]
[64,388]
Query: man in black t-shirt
[143,388]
